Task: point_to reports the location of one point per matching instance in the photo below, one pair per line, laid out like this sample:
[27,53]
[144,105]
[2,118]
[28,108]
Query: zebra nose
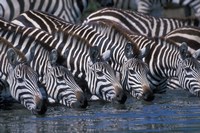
[120,95]
[41,106]
[81,100]
[147,94]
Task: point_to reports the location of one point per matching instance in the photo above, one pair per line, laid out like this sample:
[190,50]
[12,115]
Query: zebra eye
[99,73]
[132,71]
[20,80]
[60,77]
[188,69]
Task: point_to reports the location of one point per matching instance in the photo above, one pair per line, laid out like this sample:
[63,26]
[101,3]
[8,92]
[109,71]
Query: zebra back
[188,34]
[22,80]
[69,10]
[146,6]
[141,23]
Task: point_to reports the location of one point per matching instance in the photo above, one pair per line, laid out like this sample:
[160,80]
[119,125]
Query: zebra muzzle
[147,94]
[40,107]
[120,96]
[81,100]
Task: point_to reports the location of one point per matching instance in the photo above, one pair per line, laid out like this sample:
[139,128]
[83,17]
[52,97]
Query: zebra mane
[21,55]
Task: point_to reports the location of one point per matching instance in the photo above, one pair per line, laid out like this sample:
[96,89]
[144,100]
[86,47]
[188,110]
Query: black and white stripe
[21,78]
[140,23]
[105,38]
[58,82]
[156,7]
[69,10]
[88,66]
[188,34]
[146,6]
[168,60]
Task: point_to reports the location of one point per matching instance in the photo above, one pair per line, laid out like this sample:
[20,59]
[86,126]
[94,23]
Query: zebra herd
[48,55]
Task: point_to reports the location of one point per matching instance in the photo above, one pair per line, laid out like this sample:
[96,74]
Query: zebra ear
[183,50]
[94,54]
[30,55]
[12,57]
[196,54]
[128,51]
[106,55]
[144,52]
[53,56]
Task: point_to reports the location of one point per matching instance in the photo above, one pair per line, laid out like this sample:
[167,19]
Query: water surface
[175,111]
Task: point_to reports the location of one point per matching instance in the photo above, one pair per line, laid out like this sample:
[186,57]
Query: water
[175,111]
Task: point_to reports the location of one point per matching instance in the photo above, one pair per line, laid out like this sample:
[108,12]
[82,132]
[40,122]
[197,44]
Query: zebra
[133,71]
[141,23]
[59,83]
[89,68]
[163,69]
[21,78]
[188,34]
[155,73]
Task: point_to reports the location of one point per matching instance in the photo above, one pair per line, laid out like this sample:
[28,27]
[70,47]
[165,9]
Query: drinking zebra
[140,23]
[179,65]
[168,61]
[130,66]
[89,67]
[21,78]
[58,82]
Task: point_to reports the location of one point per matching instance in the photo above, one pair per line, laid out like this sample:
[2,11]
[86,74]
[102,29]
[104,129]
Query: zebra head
[101,78]
[134,74]
[23,82]
[189,70]
[61,85]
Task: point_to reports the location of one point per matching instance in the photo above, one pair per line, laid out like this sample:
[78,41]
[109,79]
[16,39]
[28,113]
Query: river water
[176,111]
